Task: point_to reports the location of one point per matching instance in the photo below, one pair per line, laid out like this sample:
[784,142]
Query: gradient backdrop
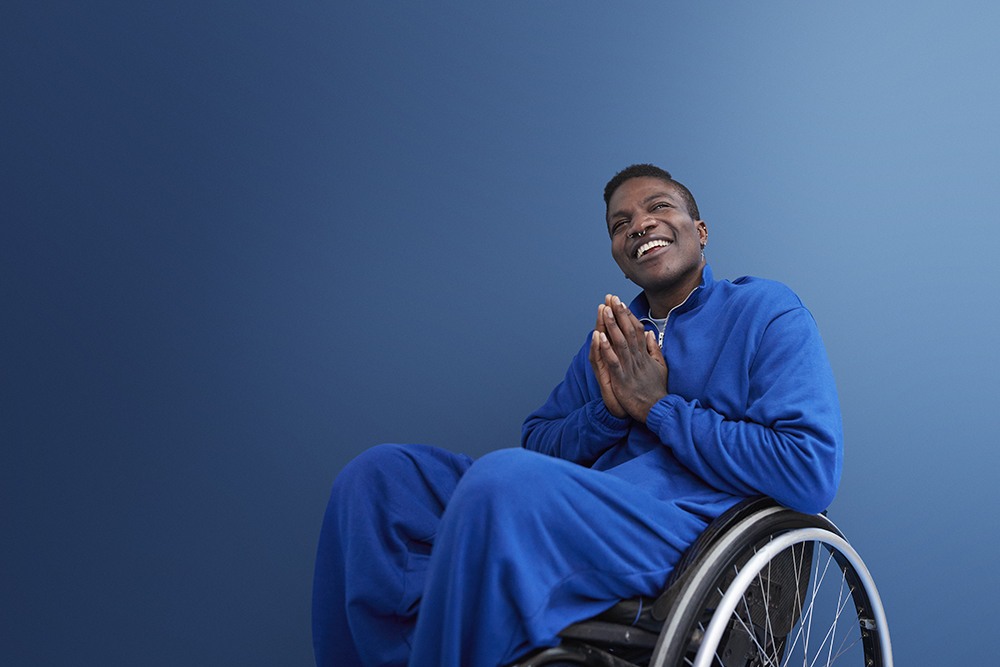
[243,241]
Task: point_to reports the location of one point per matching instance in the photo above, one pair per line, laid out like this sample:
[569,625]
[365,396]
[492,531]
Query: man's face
[653,238]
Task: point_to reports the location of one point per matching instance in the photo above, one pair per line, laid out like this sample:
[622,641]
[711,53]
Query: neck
[661,302]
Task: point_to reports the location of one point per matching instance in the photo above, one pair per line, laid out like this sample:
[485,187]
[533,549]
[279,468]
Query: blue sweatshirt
[752,406]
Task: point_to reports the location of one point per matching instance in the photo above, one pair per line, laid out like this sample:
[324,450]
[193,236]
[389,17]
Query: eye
[617,225]
[660,204]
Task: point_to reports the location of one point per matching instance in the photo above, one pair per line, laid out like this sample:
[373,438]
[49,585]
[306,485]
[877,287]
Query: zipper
[662,332]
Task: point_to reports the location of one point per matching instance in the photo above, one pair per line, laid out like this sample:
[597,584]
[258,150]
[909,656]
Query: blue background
[243,241]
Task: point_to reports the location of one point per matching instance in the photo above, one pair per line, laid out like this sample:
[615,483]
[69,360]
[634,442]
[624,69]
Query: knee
[371,469]
[509,501]
[512,479]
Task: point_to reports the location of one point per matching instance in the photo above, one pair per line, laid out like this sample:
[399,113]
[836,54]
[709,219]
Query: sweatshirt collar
[640,305]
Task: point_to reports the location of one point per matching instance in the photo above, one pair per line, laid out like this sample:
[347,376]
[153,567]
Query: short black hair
[640,170]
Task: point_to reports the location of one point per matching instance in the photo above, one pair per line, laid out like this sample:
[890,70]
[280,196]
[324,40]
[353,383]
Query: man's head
[639,170]
[657,237]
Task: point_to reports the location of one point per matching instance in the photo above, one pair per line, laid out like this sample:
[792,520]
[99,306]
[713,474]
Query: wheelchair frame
[760,587]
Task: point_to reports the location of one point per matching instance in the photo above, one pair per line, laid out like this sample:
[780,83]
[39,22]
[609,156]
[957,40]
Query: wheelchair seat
[761,586]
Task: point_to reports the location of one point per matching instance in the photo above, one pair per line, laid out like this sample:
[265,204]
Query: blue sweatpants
[496,555]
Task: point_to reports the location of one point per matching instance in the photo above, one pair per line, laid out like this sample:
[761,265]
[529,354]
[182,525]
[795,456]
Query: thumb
[652,347]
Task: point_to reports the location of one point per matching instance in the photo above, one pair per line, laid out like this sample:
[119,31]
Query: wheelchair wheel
[783,589]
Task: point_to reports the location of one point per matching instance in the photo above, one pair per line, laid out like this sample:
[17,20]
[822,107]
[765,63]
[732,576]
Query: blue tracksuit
[502,553]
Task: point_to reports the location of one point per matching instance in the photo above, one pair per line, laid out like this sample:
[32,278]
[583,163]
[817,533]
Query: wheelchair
[762,586]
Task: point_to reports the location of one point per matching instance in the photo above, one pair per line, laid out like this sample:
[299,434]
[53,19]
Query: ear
[702,232]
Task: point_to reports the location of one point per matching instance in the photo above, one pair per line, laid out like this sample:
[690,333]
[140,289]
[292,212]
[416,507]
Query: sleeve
[789,443]
[574,424]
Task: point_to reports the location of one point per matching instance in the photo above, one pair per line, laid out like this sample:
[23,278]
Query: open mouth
[651,245]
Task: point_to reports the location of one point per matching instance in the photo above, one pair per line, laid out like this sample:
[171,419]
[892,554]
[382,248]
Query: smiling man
[657,238]
[696,395]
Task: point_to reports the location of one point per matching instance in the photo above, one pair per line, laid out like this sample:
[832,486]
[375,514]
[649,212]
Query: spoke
[809,615]
[768,627]
[805,618]
[831,631]
[804,631]
[845,647]
[749,630]
[840,608]
[820,578]
[770,659]
[831,634]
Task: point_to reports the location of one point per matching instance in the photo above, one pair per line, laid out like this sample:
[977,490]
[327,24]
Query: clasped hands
[627,361]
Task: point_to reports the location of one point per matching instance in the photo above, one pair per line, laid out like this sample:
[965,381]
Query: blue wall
[241,242]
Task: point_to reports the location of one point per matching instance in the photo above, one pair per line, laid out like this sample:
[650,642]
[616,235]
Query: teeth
[649,245]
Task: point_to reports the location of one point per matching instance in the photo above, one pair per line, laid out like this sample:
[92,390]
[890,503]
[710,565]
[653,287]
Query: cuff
[607,422]
[661,414]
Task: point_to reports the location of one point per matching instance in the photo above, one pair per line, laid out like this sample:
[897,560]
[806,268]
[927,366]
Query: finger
[630,317]
[596,361]
[604,378]
[602,310]
[609,358]
[622,318]
[630,324]
[652,347]
[613,332]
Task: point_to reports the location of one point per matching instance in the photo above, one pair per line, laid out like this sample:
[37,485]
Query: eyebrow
[655,195]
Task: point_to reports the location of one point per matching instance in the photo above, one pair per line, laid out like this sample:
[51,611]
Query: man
[699,393]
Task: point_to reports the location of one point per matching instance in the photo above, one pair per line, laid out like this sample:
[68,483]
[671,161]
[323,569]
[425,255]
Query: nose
[640,227]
